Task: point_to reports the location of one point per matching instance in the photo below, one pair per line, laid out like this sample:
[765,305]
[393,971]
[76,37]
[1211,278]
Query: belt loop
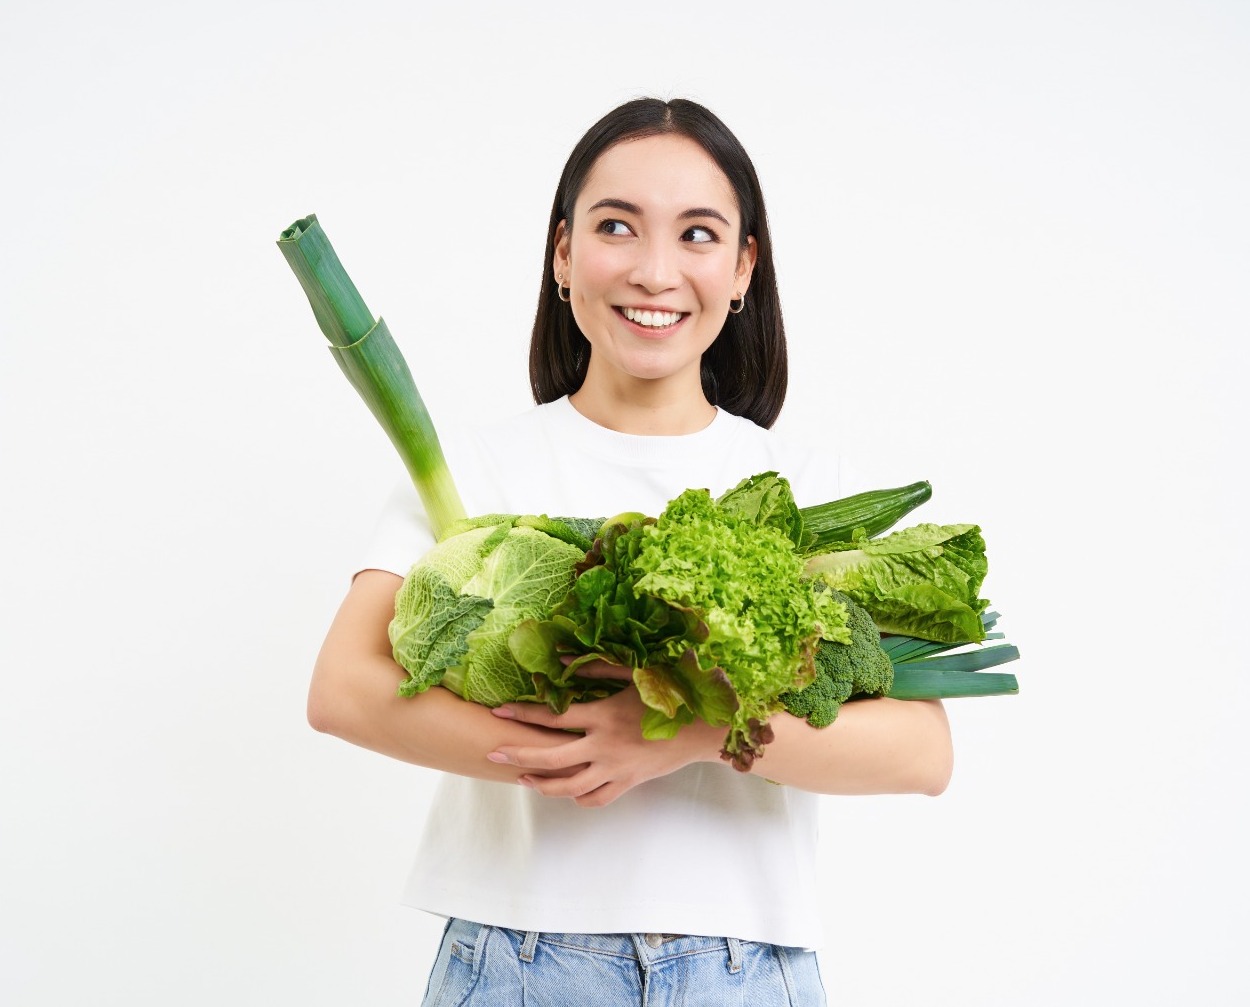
[527,947]
[735,954]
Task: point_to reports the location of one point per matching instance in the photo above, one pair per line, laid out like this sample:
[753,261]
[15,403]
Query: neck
[650,408]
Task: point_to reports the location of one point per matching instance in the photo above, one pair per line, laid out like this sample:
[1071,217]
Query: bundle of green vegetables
[729,610]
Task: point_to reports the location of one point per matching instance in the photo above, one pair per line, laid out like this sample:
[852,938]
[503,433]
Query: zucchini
[875,511]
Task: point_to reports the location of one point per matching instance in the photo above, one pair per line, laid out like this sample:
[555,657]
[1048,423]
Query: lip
[650,331]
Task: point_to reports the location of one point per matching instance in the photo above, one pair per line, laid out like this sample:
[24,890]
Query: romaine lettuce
[923,581]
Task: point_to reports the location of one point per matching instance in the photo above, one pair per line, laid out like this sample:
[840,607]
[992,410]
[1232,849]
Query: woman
[616,868]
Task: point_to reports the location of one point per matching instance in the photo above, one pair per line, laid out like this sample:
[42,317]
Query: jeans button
[653,940]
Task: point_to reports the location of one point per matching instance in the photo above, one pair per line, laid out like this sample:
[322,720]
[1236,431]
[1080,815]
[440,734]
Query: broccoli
[860,668]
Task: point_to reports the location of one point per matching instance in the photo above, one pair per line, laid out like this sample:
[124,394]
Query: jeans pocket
[458,965]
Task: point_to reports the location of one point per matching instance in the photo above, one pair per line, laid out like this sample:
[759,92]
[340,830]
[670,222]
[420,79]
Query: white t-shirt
[705,850]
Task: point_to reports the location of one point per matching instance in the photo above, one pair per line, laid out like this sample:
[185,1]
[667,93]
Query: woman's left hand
[609,755]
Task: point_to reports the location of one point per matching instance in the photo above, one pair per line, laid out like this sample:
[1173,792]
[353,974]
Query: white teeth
[652,319]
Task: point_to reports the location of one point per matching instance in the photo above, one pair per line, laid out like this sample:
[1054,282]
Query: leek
[368,356]
[924,669]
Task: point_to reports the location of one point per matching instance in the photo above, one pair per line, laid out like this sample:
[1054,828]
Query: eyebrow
[634,208]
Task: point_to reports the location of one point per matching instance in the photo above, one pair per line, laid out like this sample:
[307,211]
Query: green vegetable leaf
[433,635]
[922,581]
[920,682]
[511,574]
[765,500]
[710,610]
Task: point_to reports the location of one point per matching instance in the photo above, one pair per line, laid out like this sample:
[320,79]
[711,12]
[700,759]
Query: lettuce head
[460,603]
[923,581]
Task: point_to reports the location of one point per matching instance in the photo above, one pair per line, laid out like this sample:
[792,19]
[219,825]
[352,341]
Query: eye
[616,228]
[699,235]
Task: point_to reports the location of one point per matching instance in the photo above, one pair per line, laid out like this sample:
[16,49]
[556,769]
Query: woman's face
[652,260]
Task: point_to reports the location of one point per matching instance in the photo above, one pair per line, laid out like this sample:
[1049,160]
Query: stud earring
[561,288]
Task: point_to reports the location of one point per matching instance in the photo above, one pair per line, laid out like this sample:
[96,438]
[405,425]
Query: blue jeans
[485,966]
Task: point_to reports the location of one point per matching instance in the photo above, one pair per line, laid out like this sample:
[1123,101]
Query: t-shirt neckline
[570,426]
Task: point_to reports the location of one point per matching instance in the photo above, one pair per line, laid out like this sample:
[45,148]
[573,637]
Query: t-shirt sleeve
[402,534]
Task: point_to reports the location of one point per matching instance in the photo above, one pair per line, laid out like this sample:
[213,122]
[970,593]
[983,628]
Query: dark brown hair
[744,370]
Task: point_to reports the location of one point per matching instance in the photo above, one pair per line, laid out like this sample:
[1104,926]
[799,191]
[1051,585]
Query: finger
[600,797]
[601,669]
[571,787]
[530,713]
[545,759]
[598,668]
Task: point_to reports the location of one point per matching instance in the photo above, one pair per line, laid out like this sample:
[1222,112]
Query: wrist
[703,741]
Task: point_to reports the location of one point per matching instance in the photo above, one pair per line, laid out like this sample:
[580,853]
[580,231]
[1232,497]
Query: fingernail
[497,757]
[503,711]
[525,781]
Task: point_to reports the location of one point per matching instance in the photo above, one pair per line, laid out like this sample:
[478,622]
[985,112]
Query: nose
[655,269]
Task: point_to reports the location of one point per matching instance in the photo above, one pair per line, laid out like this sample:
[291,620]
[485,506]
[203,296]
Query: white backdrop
[1013,255]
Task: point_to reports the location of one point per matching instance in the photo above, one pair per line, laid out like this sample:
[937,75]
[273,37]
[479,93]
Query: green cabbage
[460,603]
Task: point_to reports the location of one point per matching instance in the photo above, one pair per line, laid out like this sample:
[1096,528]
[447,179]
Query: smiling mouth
[653,319]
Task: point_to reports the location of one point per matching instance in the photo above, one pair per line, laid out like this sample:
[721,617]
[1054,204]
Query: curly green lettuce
[711,611]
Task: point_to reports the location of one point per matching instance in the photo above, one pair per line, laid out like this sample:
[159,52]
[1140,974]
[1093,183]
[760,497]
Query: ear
[746,265]
[560,262]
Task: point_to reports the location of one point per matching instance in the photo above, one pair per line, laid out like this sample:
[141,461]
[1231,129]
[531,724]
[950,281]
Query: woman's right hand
[607,755]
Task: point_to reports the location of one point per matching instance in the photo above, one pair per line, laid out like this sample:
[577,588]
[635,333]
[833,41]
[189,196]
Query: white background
[1012,244]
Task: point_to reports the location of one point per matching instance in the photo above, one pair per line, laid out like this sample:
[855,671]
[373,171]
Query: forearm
[876,746]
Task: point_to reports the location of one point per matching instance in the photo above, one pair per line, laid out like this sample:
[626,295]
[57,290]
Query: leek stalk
[924,669]
[368,356]
[924,683]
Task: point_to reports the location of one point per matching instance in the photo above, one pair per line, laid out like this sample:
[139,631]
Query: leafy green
[923,581]
[709,609]
[927,670]
[576,531]
[432,633]
[766,500]
[460,603]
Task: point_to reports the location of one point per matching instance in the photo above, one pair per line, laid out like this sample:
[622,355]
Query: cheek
[595,266]
[717,275]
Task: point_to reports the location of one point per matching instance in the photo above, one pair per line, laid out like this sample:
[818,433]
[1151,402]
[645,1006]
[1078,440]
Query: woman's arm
[876,746]
[353,696]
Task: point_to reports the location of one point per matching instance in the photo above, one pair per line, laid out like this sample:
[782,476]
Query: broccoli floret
[844,670]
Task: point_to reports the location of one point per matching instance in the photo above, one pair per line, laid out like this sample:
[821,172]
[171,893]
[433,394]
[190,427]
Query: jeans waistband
[646,948]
